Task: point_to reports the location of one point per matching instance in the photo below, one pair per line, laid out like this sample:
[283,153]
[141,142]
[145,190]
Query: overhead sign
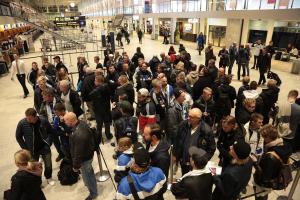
[70,21]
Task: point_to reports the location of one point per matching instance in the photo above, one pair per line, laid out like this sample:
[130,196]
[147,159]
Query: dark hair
[205,71]
[48,92]
[255,116]
[59,107]
[293,93]
[200,162]
[155,130]
[253,85]
[97,57]
[30,112]
[269,131]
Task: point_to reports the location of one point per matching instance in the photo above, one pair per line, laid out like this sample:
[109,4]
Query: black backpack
[129,129]
[66,175]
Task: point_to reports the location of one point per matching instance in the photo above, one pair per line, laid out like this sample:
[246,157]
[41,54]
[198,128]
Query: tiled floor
[12,107]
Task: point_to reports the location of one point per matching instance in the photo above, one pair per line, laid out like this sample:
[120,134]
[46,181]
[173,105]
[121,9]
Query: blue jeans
[89,178]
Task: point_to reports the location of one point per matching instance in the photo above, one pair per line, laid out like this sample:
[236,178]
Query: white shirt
[66,100]
[21,67]
[152,148]
[257,49]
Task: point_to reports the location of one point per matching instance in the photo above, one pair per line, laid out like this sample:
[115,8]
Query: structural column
[270,28]
[172,29]
[155,29]
[245,32]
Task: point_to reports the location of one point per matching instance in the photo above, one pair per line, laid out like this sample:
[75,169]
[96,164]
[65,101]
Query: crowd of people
[168,101]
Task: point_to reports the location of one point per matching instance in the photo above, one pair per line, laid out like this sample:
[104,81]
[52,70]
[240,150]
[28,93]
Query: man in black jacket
[82,146]
[263,63]
[59,64]
[125,88]
[157,148]
[197,184]
[49,69]
[70,98]
[87,87]
[193,132]
[207,106]
[100,97]
[235,177]
[33,134]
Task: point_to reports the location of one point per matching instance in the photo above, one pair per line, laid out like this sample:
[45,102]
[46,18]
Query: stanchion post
[171,168]
[102,175]
[295,183]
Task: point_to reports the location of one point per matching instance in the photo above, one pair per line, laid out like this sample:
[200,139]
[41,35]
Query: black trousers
[100,121]
[243,66]
[255,62]
[21,79]
[165,40]
[262,77]
[54,139]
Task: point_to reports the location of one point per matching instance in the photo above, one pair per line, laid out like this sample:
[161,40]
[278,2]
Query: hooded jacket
[149,185]
[192,78]
[194,185]
[26,185]
[160,157]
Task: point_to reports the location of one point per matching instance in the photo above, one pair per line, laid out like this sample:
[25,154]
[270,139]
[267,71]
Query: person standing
[193,132]
[263,63]
[224,57]
[100,97]
[59,64]
[209,54]
[18,68]
[257,48]
[270,51]
[82,146]
[32,134]
[198,183]
[232,56]
[97,62]
[140,35]
[242,61]
[200,42]
[33,75]
[26,182]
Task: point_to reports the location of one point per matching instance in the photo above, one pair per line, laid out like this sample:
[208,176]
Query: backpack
[129,129]
[66,175]
[285,174]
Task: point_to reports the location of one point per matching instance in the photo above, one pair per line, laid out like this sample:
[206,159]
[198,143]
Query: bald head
[221,71]
[64,86]
[70,119]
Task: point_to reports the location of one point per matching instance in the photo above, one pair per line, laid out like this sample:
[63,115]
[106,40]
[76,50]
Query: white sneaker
[50,181]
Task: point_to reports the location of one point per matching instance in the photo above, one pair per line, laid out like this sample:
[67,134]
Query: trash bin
[296,67]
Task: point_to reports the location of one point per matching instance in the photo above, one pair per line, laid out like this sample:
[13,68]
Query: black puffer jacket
[194,186]
[269,98]
[269,166]
[25,133]
[201,83]
[87,86]
[224,97]
[226,140]
[160,157]
[82,144]
[26,186]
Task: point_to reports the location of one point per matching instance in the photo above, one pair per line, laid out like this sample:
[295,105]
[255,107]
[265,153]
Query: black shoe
[112,144]
[90,198]
[25,96]
[109,137]
[252,67]
[59,157]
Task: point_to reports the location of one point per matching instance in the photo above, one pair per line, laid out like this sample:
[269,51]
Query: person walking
[232,56]
[140,35]
[82,146]
[200,42]
[18,69]
[263,64]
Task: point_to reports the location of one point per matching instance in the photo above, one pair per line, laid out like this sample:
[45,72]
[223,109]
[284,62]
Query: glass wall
[116,7]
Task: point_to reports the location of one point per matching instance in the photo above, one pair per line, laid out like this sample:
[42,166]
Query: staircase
[28,15]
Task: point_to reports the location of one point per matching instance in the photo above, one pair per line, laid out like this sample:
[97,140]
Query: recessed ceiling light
[66,10]
[72,4]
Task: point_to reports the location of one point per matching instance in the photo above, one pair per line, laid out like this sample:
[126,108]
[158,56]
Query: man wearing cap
[175,115]
[143,181]
[193,132]
[196,184]
[145,109]
[59,64]
[235,177]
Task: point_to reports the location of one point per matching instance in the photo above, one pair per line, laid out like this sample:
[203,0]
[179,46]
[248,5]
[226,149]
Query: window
[253,4]
[267,4]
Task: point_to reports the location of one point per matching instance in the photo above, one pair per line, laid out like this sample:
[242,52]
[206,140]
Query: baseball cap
[241,149]
[141,155]
[144,92]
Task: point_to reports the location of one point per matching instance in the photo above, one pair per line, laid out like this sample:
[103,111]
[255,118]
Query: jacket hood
[271,92]
[149,181]
[194,74]
[281,149]
[253,94]
[37,171]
